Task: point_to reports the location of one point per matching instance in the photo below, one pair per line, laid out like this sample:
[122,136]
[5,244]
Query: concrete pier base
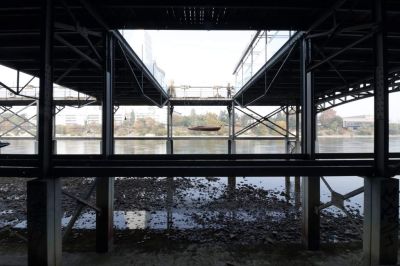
[44,221]
[104,218]
[311,220]
[381,221]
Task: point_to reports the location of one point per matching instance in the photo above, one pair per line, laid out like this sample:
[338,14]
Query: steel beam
[105,186]
[311,183]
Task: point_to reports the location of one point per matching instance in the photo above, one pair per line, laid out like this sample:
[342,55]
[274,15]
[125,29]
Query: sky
[197,58]
[207,58]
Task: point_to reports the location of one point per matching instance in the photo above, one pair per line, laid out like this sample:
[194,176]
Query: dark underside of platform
[78,50]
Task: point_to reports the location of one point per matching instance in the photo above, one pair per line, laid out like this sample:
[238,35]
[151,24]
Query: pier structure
[340,51]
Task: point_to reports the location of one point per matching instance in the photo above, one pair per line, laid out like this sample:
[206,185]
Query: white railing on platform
[32,92]
[201,92]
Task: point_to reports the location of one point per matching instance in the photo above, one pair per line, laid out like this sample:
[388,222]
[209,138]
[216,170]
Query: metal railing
[31,92]
[201,92]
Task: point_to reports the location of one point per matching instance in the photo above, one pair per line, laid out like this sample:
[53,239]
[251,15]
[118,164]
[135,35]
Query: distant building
[357,122]
[142,43]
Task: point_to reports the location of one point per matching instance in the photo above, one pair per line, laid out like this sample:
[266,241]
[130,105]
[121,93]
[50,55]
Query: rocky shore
[202,210]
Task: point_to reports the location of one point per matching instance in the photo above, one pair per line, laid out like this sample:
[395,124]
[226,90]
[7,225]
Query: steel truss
[351,94]
[31,121]
[338,199]
[263,120]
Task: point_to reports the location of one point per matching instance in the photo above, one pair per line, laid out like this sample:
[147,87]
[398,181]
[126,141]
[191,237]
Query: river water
[158,219]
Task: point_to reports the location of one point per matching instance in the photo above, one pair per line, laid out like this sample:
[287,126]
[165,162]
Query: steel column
[170,141]
[381,92]
[231,122]
[105,186]
[44,222]
[310,184]
[298,148]
[381,198]
[287,144]
[43,194]
[287,149]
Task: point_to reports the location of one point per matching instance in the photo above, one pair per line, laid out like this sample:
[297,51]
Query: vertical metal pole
[311,184]
[36,144]
[44,193]
[287,144]
[105,186]
[287,148]
[381,194]
[298,148]
[231,122]
[381,92]
[54,130]
[170,141]
[231,146]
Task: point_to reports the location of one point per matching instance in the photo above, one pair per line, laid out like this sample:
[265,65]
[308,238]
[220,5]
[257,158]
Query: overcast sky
[209,57]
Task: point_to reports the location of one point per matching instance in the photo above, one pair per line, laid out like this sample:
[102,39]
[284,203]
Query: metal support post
[44,221]
[105,186]
[36,144]
[231,146]
[287,148]
[381,198]
[54,130]
[231,124]
[170,141]
[298,146]
[311,184]
[287,144]
[43,194]
[381,92]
